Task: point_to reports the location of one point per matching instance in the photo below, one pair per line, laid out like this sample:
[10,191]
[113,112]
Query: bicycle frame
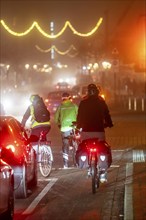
[94,168]
[74,141]
[93,156]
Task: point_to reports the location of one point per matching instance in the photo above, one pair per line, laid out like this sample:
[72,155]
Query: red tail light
[93,149]
[11,147]
[14,154]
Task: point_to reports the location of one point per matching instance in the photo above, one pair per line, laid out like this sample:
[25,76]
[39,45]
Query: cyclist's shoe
[70,147]
[103,177]
[65,166]
[89,172]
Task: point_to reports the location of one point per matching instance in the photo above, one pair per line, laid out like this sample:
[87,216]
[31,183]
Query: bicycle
[74,140]
[95,156]
[44,155]
[94,169]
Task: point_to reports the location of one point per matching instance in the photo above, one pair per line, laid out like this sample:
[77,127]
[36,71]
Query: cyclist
[65,114]
[40,118]
[93,116]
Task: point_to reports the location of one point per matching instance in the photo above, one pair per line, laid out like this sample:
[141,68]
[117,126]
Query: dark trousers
[36,131]
[65,146]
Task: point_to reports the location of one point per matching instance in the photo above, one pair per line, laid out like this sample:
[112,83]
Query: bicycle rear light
[93,150]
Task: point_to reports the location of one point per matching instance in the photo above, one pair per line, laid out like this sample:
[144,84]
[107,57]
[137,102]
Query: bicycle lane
[135,187]
[135,182]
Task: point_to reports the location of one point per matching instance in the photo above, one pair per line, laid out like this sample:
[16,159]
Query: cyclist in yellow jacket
[40,118]
[65,114]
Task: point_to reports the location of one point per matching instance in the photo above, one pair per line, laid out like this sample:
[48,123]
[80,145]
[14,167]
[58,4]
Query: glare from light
[8,104]
[61,80]
[27,66]
[102,157]
[84,67]
[11,147]
[106,65]
[8,66]
[95,66]
[35,66]
[83,158]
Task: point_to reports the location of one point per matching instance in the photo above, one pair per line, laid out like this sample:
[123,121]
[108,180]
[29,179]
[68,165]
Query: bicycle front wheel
[45,164]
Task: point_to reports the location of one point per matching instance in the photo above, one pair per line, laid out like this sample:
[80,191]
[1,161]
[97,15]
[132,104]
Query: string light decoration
[36,25]
[72,47]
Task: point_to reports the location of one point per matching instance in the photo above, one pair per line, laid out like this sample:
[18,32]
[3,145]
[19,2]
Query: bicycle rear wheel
[73,153]
[45,164]
[95,177]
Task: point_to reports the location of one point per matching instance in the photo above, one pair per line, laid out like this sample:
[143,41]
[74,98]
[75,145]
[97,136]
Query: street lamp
[105,66]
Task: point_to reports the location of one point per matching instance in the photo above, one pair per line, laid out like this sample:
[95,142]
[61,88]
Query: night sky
[119,29]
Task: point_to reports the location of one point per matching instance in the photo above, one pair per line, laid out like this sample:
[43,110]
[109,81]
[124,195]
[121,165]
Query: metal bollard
[129,104]
[142,104]
[135,104]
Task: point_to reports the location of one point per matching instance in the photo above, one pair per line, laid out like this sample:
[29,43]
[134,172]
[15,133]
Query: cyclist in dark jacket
[93,116]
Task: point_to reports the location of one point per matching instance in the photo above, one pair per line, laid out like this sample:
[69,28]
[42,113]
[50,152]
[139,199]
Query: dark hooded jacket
[93,114]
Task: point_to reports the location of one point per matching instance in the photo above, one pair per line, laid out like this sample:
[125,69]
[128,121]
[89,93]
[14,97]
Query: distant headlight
[26,103]
[103,96]
[7,103]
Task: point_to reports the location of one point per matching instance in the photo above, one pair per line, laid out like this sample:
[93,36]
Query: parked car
[21,155]
[6,189]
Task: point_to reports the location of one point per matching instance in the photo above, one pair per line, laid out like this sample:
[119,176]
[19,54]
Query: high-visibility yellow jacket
[65,114]
[30,113]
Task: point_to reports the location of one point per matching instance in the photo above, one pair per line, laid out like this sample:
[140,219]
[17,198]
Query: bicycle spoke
[45,165]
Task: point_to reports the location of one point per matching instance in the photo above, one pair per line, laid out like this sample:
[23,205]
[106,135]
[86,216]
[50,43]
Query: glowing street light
[27,66]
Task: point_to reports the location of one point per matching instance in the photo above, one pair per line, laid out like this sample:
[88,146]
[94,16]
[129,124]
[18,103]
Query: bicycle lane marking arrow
[35,202]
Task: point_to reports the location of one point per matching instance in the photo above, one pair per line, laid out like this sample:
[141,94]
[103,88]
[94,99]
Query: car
[21,155]
[6,189]
[80,89]
[62,86]
[53,100]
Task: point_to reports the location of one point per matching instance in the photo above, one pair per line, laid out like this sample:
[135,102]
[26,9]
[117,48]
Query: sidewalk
[139,191]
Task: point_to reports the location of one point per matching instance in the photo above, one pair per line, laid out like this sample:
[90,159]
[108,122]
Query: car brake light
[10,147]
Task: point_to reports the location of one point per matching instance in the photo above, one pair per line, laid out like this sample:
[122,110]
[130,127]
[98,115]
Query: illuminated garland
[58,51]
[36,25]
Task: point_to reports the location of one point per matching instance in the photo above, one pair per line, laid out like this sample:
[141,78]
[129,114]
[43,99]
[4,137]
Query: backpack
[41,112]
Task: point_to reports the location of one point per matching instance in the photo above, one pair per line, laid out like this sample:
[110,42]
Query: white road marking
[35,202]
[114,165]
[138,156]
[128,197]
